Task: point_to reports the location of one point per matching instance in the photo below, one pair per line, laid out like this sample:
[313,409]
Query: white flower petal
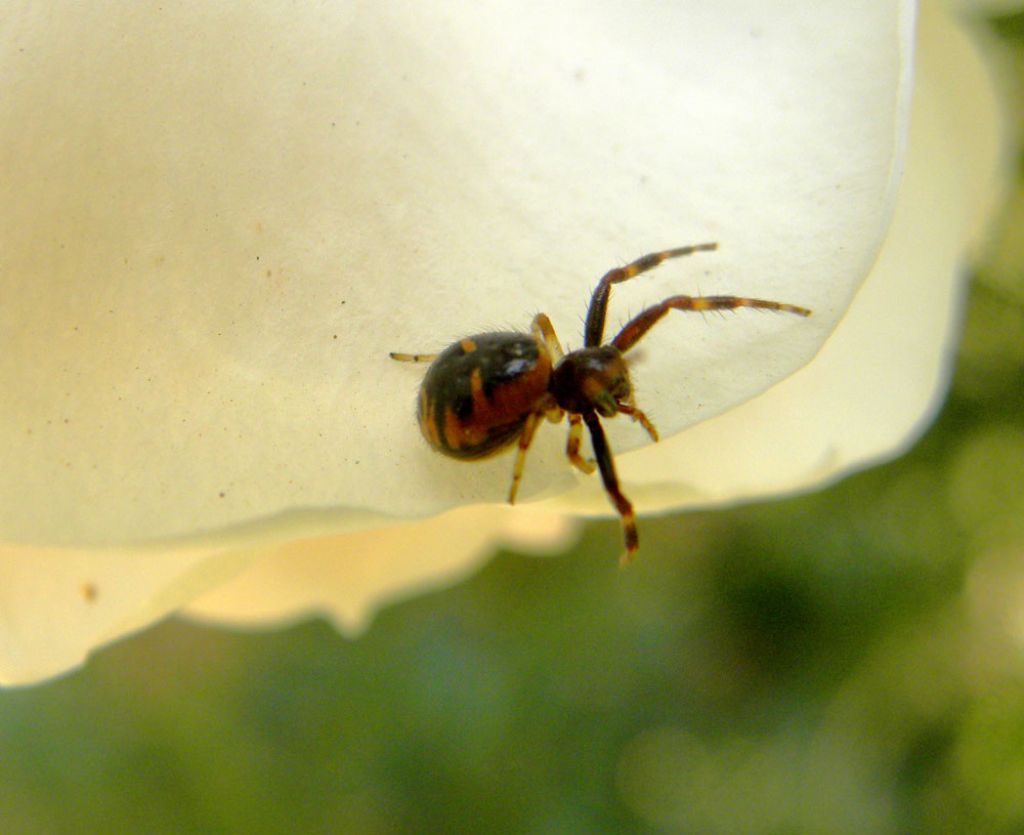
[227,217]
[879,379]
[350,576]
[345,177]
[57,605]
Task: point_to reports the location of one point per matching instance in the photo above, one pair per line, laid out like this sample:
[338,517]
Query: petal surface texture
[227,217]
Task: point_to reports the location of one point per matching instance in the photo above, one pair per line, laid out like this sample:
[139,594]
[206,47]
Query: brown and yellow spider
[488,391]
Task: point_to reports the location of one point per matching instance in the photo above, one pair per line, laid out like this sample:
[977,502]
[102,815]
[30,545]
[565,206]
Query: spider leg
[594,328]
[611,486]
[544,332]
[525,439]
[412,357]
[635,328]
[640,418]
[572,447]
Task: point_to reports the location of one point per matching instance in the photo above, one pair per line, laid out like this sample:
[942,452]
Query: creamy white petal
[878,380]
[348,577]
[228,215]
[57,605]
[345,177]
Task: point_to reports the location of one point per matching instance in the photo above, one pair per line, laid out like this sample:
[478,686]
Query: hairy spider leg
[594,328]
[412,357]
[572,447]
[525,439]
[544,332]
[639,417]
[611,486]
[636,327]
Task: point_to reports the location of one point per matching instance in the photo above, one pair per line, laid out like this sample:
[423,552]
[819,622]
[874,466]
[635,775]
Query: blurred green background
[848,661]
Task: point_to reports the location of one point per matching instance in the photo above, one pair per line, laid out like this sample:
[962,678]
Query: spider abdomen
[478,393]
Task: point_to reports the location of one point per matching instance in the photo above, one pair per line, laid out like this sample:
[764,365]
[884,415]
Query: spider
[487,392]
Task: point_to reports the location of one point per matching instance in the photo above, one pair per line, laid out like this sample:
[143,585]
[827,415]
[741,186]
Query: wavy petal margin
[216,246]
